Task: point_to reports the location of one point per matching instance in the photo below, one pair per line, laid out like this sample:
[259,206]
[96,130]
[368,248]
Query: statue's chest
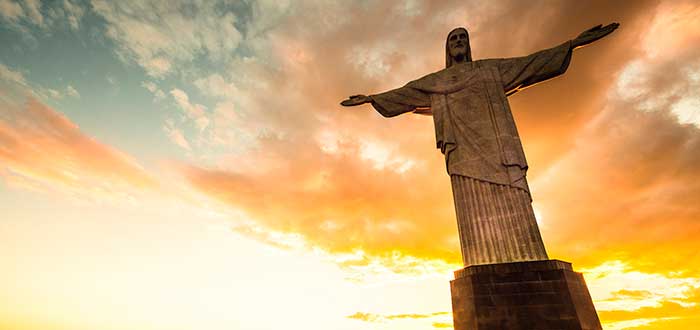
[479,87]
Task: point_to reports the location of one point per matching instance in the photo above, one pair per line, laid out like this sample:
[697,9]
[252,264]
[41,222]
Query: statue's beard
[459,58]
[461,54]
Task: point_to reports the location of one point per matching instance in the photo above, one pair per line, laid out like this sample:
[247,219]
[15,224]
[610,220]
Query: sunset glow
[186,164]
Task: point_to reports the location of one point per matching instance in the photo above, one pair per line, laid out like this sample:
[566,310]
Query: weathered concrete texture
[532,295]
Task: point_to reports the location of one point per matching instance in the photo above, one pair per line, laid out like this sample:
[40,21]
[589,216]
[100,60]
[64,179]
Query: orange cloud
[42,149]
[628,186]
[340,201]
[347,179]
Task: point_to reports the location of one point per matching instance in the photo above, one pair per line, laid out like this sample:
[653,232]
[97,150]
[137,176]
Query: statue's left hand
[356,100]
[593,34]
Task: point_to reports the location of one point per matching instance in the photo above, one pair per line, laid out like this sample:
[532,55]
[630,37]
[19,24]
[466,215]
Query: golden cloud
[370,317]
[340,201]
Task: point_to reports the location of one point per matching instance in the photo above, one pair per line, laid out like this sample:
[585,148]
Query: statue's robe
[475,130]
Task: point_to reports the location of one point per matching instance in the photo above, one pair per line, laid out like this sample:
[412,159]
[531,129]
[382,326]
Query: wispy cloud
[12,76]
[42,149]
[72,92]
[158,94]
[34,13]
[438,320]
[193,111]
[176,135]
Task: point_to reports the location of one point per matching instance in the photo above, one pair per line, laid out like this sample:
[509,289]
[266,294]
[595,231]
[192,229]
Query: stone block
[531,295]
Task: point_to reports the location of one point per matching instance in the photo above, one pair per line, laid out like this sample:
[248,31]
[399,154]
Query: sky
[177,164]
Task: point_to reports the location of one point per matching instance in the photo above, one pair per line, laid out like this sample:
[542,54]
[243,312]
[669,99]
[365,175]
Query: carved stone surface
[531,295]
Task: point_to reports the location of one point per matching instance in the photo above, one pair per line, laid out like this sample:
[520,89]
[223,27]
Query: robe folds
[474,126]
[496,223]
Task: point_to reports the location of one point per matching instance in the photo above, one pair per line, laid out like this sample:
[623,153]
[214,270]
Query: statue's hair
[448,58]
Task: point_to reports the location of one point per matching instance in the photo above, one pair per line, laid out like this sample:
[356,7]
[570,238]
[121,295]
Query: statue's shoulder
[487,63]
[435,78]
[431,77]
[451,79]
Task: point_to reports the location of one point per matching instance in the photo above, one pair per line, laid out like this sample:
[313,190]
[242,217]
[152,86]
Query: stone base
[531,295]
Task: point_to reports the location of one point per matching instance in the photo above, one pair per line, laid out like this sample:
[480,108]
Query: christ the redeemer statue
[475,131]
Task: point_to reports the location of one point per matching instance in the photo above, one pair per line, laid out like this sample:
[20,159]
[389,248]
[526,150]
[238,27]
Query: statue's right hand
[356,100]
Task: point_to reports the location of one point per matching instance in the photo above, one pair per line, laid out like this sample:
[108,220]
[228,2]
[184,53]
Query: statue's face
[458,44]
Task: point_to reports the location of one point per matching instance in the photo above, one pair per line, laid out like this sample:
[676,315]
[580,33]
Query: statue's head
[457,47]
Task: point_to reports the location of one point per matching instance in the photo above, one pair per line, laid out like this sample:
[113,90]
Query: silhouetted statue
[475,131]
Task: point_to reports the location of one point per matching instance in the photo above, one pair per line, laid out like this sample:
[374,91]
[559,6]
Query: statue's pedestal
[531,295]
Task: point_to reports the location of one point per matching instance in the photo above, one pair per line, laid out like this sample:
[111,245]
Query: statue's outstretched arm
[518,73]
[394,102]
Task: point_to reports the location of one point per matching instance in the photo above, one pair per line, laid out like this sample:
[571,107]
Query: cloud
[337,201]
[369,317]
[54,94]
[17,86]
[11,76]
[59,95]
[160,35]
[669,315]
[634,168]
[191,110]
[195,112]
[72,92]
[438,320]
[617,286]
[176,135]
[73,13]
[45,15]
[42,149]
[158,94]
[216,85]
[33,10]
[11,10]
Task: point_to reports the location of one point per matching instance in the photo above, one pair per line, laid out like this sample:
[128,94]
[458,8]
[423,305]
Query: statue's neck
[460,65]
